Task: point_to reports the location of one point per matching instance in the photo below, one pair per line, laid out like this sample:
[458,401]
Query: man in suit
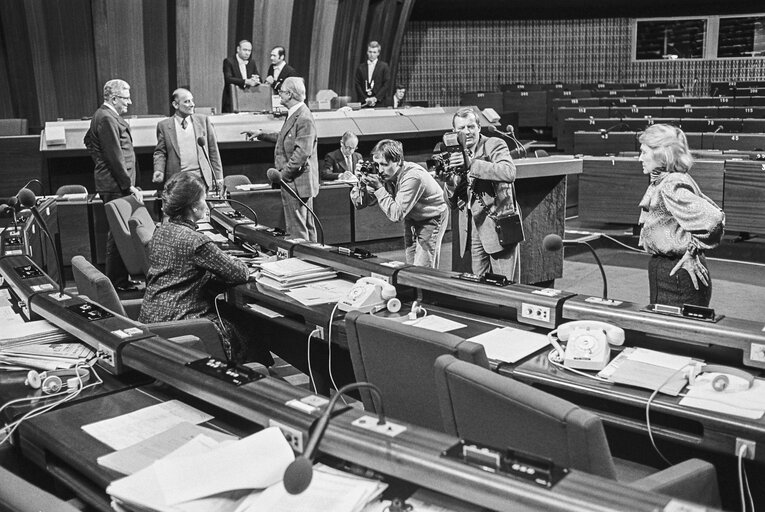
[295,158]
[340,163]
[239,70]
[372,79]
[489,193]
[111,147]
[279,70]
[178,144]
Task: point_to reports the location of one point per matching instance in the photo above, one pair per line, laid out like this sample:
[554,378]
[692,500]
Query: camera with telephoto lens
[367,167]
[439,162]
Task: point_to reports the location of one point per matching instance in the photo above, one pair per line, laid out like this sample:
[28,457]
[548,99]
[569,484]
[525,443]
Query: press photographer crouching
[404,191]
[480,184]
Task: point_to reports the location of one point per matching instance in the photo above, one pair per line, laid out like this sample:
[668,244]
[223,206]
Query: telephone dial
[588,344]
[369,295]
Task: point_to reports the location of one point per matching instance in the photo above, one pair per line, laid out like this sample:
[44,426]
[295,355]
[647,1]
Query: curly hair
[182,191]
[669,146]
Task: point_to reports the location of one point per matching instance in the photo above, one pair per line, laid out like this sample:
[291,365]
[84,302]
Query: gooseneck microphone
[27,199]
[521,150]
[553,242]
[275,177]
[201,143]
[298,475]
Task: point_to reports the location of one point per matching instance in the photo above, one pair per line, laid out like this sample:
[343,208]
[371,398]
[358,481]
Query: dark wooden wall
[55,55]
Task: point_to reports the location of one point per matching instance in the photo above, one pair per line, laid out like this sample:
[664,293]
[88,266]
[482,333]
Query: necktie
[349,163]
[184,123]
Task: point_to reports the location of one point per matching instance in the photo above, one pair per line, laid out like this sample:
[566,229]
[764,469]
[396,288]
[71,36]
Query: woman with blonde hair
[678,222]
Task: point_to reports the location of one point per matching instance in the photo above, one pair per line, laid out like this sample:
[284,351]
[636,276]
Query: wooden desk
[744,196]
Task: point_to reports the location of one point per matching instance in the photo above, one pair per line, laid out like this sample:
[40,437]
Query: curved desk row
[413,456]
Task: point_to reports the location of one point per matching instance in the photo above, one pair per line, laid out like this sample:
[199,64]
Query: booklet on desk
[648,369]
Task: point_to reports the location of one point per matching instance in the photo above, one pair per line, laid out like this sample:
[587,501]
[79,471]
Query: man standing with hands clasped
[372,79]
[295,158]
[186,143]
[239,70]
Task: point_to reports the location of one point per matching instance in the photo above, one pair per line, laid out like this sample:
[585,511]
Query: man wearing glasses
[340,163]
[295,158]
[111,147]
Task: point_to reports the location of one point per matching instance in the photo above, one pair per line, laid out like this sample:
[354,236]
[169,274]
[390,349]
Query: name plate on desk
[230,373]
[687,311]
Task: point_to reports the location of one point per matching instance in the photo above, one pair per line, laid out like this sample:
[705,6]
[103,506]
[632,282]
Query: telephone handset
[589,343]
[370,294]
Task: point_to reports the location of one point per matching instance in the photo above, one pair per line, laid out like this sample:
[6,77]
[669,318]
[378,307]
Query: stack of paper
[648,369]
[39,345]
[292,272]
[509,344]
[322,292]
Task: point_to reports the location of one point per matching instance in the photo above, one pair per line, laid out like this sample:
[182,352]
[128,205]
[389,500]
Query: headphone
[727,378]
[53,381]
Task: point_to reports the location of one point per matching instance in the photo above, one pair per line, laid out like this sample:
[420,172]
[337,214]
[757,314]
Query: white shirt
[112,107]
[370,70]
[278,69]
[293,109]
[242,67]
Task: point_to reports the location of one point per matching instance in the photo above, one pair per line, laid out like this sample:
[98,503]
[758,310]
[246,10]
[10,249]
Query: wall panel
[47,105]
[324,19]
[301,38]
[207,46]
[273,28]
[441,59]
[156,39]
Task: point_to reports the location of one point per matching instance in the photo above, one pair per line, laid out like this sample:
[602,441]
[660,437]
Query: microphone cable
[329,349]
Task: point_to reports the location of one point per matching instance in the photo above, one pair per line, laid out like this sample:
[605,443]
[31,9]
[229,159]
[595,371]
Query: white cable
[740,455]
[310,371]
[329,355]
[748,489]
[648,414]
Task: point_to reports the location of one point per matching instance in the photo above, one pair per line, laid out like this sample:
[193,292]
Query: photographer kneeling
[404,191]
[486,197]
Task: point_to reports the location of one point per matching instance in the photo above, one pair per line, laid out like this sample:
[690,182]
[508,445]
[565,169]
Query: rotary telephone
[369,295]
[589,343]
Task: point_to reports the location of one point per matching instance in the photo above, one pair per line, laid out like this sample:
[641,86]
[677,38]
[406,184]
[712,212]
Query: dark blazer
[295,152]
[334,165]
[382,84]
[232,75]
[167,157]
[111,147]
[287,72]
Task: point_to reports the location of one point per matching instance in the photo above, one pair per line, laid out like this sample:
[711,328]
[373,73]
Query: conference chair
[232,181]
[197,333]
[485,407]
[141,233]
[71,189]
[399,358]
[18,495]
[118,214]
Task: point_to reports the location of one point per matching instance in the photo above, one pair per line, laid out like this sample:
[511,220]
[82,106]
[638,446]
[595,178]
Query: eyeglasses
[351,148]
[122,97]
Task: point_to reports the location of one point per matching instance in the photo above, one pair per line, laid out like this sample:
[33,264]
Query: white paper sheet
[436,323]
[509,344]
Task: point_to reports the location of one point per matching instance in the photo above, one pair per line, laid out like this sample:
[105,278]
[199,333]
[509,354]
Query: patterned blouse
[182,262]
[675,214]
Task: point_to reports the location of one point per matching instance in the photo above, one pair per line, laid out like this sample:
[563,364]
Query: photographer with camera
[482,188]
[404,191]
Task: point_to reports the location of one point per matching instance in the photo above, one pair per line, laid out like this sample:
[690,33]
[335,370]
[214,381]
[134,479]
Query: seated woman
[678,221]
[185,267]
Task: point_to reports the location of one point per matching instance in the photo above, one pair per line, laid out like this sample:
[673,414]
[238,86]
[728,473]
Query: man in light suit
[239,70]
[279,70]
[295,158]
[178,144]
[110,145]
[372,79]
[341,163]
[489,193]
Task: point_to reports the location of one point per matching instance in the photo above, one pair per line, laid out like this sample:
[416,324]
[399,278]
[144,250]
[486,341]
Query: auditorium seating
[197,333]
[71,189]
[118,214]
[141,232]
[399,359]
[485,407]
[230,182]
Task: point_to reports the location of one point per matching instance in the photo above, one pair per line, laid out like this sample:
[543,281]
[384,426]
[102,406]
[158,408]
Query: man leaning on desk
[186,142]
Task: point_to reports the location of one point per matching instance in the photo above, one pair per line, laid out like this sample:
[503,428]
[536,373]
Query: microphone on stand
[27,199]
[201,143]
[521,150]
[553,242]
[275,177]
[298,475]
[604,132]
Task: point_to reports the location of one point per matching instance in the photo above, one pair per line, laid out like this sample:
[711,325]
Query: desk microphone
[521,150]
[201,143]
[298,475]
[27,199]
[275,177]
[553,242]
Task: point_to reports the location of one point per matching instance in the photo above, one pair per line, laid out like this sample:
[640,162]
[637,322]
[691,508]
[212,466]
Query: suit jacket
[334,165]
[167,156]
[287,72]
[490,177]
[295,152]
[232,75]
[111,147]
[382,84]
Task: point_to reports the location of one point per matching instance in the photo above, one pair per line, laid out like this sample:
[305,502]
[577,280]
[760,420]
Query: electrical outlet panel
[293,436]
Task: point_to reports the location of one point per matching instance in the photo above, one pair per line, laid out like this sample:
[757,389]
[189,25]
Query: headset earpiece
[56,380]
[51,384]
[33,379]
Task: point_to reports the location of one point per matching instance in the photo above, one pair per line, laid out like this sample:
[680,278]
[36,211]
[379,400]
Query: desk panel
[745,196]
[19,162]
[74,230]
